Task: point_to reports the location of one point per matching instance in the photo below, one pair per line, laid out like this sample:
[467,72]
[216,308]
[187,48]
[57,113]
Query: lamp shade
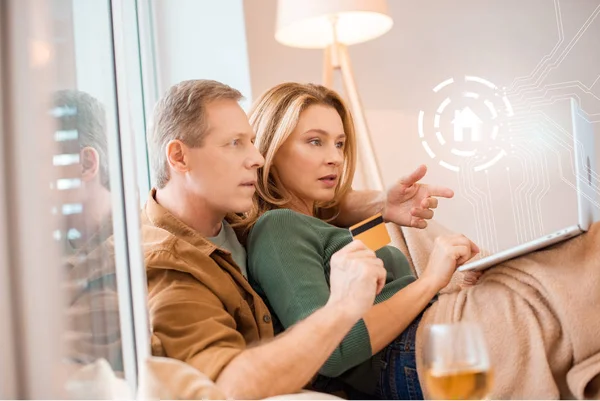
[308,23]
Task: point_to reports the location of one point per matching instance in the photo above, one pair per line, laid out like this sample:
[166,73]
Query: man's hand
[357,276]
[294,357]
[410,203]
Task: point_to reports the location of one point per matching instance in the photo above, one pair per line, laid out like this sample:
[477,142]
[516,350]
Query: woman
[306,135]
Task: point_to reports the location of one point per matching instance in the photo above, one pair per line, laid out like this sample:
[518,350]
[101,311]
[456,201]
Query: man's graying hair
[89,120]
[181,114]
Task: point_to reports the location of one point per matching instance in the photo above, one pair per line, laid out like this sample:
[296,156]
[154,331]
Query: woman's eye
[235,142]
[316,142]
[340,145]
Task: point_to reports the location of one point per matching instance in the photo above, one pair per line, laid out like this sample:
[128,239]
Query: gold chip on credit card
[371,232]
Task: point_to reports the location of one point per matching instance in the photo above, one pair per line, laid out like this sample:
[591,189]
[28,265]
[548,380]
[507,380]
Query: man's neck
[192,211]
[97,208]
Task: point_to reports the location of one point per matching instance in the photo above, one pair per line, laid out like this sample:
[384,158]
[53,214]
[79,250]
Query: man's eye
[235,142]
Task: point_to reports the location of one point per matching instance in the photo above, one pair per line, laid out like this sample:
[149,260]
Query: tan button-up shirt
[202,310]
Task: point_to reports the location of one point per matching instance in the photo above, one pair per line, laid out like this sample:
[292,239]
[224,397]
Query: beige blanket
[540,314]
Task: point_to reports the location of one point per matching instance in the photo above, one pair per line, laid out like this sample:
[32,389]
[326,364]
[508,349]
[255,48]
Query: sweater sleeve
[285,260]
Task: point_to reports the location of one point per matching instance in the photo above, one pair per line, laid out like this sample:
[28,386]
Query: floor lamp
[333,25]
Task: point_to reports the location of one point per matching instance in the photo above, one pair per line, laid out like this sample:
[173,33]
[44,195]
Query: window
[73,276]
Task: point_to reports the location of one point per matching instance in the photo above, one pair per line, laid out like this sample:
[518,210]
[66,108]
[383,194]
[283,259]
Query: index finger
[439,191]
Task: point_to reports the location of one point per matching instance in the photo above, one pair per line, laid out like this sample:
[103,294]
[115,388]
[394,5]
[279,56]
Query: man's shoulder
[165,250]
[155,239]
[155,236]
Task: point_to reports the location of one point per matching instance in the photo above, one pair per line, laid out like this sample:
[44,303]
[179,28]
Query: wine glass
[456,362]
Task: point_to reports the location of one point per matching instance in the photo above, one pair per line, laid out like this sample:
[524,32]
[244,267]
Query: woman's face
[310,161]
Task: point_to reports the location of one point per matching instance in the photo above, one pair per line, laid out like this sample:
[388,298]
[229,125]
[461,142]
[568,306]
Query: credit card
[371,232]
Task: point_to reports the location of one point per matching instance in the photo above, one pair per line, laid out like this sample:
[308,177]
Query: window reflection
[93,328]
[84,110]
[91,210]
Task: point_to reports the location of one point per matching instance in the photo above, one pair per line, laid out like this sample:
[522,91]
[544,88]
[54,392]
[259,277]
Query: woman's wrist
[431,285]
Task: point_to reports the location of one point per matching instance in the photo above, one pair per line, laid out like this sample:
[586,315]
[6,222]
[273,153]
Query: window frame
[32,299]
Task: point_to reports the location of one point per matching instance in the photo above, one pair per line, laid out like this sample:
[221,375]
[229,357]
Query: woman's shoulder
[285,218]
[280,223]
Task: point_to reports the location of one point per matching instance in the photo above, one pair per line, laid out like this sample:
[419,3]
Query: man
[82,156]
[202,309]
[93,309]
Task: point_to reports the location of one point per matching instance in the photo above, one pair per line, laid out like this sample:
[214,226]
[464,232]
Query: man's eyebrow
[242,133]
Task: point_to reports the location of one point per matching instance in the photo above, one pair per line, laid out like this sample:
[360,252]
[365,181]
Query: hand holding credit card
[372,232]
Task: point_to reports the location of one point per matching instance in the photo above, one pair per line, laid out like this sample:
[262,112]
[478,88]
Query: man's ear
[90,163]
[176,152]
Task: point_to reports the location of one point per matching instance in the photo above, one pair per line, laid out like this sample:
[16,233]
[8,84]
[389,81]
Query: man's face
[223,170]
[85,206]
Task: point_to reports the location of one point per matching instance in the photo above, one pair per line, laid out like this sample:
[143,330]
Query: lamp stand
[336,58]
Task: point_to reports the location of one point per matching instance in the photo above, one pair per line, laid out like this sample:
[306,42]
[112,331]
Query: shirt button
[267,319]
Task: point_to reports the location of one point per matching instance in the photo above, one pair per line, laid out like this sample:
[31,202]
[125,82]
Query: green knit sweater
[288,265]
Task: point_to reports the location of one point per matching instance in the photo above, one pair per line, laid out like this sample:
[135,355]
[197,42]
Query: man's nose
[256,159]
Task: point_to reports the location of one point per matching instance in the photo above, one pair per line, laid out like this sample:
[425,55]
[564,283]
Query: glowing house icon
[467,121]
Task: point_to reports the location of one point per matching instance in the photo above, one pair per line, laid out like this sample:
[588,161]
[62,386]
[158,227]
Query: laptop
[587,199]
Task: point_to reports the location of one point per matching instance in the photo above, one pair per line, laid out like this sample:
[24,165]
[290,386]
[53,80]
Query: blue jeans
[399,379]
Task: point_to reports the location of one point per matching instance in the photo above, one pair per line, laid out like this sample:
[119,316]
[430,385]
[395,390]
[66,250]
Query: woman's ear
[90,163]
[176,152]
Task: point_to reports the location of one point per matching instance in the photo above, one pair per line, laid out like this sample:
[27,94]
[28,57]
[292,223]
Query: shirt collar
[158,216]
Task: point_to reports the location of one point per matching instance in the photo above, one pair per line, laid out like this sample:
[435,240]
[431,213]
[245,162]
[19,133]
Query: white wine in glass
[456,362]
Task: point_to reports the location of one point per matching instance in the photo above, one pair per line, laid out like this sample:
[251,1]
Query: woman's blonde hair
[274,117]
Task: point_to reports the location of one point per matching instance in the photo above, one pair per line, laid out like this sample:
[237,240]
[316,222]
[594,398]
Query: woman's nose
[335,156]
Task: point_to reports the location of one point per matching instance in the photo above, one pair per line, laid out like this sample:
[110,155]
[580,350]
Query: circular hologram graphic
[466,124]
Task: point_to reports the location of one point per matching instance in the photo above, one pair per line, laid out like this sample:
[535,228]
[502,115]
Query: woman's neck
[306,207]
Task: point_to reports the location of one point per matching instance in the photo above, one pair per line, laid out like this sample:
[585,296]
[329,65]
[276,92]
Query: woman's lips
[329,180]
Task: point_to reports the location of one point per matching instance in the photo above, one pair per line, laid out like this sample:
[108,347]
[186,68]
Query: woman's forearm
[387,320]
[359,205]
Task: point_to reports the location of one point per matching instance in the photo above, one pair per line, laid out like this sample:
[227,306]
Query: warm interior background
[543,51]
